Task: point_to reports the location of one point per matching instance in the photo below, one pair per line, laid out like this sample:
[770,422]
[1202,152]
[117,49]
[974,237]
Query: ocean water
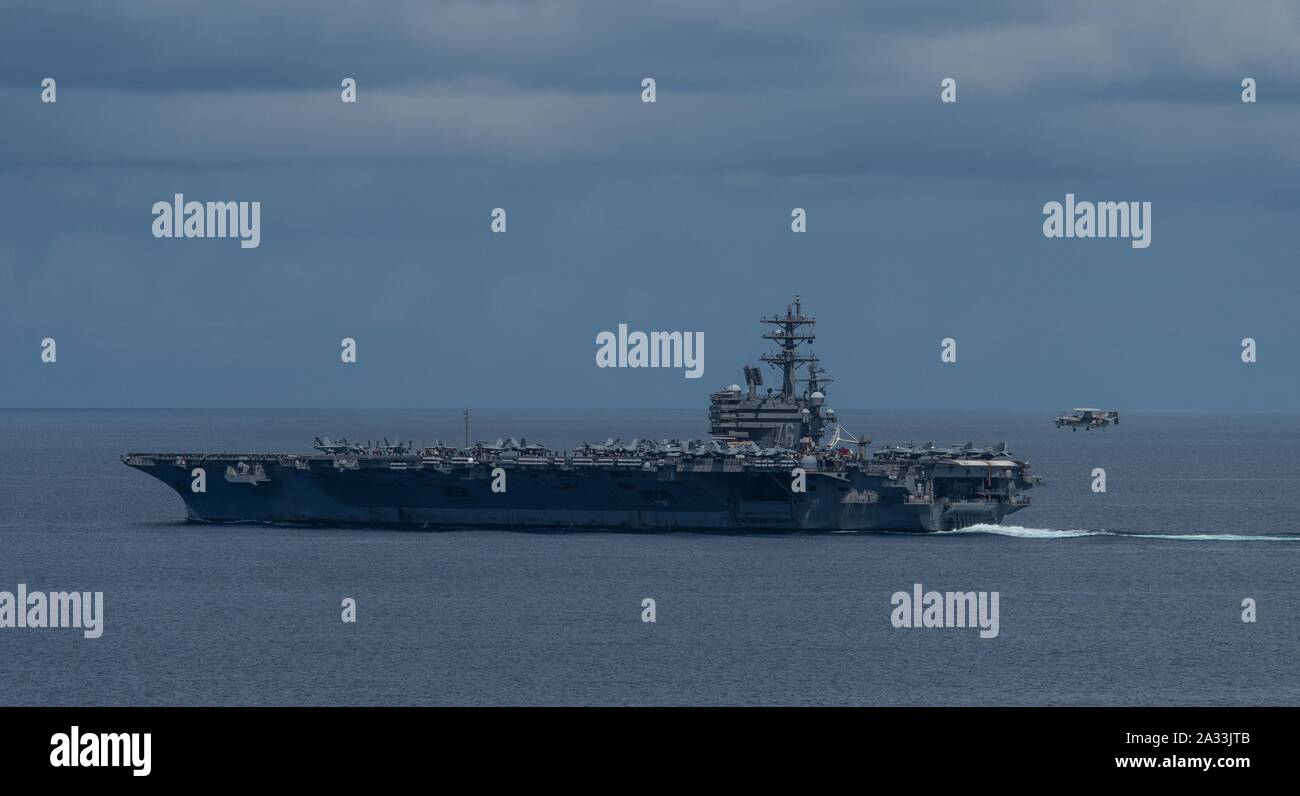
[1128,597]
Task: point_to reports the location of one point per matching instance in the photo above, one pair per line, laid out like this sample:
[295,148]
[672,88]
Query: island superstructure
[764,467]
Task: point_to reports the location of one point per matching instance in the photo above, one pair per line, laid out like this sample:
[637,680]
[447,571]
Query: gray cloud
[924,218]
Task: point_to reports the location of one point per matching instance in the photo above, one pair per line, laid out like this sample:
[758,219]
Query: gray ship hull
[656,497]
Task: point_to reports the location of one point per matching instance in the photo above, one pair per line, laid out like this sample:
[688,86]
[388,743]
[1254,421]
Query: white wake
[1026,533]
[1021,532]
[1214,537]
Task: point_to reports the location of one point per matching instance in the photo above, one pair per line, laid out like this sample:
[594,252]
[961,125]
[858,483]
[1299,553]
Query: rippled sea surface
[1133,596]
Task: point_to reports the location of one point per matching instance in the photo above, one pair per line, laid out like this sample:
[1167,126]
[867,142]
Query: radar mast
[789,333]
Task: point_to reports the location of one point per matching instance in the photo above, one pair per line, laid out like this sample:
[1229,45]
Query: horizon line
[463,408]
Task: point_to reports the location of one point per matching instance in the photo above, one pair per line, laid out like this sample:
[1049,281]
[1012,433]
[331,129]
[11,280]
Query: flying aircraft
[1087,419]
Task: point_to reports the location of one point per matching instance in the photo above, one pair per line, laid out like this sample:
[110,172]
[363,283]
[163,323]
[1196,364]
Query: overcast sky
[924,219]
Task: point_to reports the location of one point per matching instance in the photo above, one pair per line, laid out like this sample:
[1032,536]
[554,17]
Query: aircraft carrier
[764,467]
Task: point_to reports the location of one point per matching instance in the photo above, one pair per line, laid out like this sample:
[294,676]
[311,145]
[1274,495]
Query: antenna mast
[789,334]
